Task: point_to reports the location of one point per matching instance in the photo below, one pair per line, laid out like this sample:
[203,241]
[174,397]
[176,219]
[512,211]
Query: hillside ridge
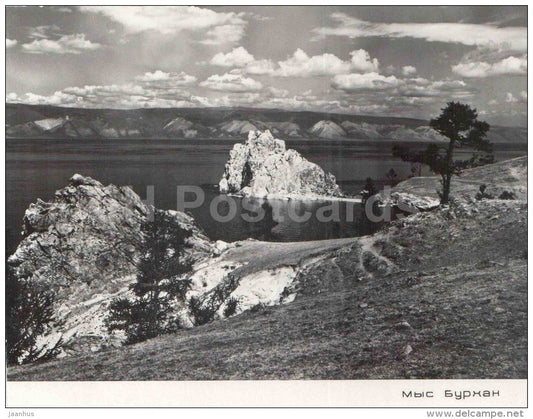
[39,121]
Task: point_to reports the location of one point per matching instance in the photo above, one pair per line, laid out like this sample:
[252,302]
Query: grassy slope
[508,175]
[457,277]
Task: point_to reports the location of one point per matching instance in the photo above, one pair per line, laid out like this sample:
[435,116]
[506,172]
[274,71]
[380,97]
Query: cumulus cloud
[260,67]
[10,43]
[58,98]
[408,70]
[231,82]
[177,79]
[274,91]
[516,66]
[156,89]
[457,33]
[238,57]
[312,103]
[299,64]
[364,82]
[241,58]
[420,87]
[105,90]
[407,91]
[127,95]
[361,61]
[67,44]
[217,27]
[152,89]
[224,34]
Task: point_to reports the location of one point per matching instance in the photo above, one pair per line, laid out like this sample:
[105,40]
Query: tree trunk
[447,177]
[446,183]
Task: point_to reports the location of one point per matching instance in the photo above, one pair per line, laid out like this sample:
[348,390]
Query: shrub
[482,194]
[507,195]
[29,313]
[257,308]
[201,314]
[231,307]
[204,311]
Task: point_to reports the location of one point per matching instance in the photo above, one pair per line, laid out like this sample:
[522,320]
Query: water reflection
[282,220]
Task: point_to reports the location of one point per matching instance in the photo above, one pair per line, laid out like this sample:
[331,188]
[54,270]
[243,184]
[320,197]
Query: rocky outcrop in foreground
[88,233]
[264,167]
[84,245]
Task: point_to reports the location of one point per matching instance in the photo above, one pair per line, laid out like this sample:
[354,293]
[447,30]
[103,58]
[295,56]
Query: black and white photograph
[305,195]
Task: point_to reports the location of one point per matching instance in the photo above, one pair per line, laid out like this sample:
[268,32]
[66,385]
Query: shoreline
[296,198]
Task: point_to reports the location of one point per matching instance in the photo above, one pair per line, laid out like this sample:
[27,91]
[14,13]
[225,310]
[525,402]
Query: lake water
[37,168]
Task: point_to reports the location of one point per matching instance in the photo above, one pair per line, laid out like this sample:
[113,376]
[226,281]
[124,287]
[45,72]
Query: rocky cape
[264,167]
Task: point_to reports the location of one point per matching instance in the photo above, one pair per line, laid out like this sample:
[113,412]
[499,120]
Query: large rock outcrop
[84,245]
[88,233]
[264,167]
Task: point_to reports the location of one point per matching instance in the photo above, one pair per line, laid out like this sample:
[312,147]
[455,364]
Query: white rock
[264,287]
[263,167]
[409,202]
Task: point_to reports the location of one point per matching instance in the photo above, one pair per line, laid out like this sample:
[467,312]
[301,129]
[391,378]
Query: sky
[404,61]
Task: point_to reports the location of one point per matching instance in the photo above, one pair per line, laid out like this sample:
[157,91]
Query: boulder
[264,167]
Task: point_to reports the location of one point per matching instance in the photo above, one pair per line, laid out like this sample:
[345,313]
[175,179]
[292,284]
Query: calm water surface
[37,168]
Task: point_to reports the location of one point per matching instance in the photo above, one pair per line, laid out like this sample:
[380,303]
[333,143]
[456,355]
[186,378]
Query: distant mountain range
[40,121]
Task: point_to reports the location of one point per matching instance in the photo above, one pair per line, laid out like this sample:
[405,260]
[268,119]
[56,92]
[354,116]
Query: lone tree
[158,285]
[458,122]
